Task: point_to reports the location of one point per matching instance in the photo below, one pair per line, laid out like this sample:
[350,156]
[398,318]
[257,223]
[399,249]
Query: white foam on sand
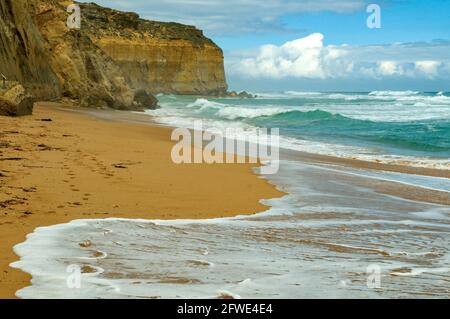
[290,251]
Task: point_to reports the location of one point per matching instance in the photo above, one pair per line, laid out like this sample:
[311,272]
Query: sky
[319,45]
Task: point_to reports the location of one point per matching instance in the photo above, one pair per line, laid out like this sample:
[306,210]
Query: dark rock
[242,95]
[85,244]
[145,100]
[7,108]
[245,95]
[15,101]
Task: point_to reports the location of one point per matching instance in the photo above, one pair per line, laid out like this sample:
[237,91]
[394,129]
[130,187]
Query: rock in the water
[245,95]
[145,100]
[15,101]
[242,95]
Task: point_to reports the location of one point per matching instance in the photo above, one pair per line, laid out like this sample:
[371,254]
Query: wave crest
[393,93]
[204,104]
[234,113]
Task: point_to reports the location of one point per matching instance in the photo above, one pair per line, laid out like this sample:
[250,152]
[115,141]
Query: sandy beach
[60,165]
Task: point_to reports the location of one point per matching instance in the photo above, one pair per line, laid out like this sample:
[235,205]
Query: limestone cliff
[110,61]
[23,55]
[161,57]
[38,50]
[84,71]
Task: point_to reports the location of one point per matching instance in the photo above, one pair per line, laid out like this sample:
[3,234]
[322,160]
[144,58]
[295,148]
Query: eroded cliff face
[161,57]
[114,56]
[52,61]
[23,55]
[168,66]
[84,71]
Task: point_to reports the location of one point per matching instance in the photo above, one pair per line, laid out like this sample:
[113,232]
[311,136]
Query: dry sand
[80,166]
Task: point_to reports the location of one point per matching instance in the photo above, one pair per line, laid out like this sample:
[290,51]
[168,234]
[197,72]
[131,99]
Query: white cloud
[298,58]
[389,68]
[309,58]
[429,68]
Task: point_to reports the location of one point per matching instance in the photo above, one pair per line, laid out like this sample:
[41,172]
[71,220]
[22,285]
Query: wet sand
[114,164]
[60,165]
[405,191]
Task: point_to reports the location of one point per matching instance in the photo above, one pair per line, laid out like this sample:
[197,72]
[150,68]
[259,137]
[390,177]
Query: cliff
[23,56]
[52,62]
[162,57]
[109,61]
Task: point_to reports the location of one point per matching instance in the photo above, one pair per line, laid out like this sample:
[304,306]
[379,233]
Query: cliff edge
[115,60]
[159,56]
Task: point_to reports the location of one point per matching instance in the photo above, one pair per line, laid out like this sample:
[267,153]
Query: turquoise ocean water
[371,125]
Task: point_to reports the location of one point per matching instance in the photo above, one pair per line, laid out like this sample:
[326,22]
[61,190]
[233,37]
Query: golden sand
[79,166]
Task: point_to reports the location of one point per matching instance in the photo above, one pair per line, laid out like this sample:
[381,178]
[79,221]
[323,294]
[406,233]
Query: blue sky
[319,44]
[402,21]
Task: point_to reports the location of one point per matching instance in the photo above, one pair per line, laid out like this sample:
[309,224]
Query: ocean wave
[317,147]
[205,104]
[300,93]
[406,100]
[294,117]
[234,113]
[403,129]
[393,93]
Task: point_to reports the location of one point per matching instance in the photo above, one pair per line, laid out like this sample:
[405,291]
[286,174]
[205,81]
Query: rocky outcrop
[110,61]
[156,56]
[15,101]
[242,95]
[142,97]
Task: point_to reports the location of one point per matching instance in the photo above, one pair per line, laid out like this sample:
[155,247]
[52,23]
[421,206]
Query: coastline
[117,138]
[104,168]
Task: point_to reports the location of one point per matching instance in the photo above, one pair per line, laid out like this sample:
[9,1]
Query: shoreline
[103,168]
[140,127]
